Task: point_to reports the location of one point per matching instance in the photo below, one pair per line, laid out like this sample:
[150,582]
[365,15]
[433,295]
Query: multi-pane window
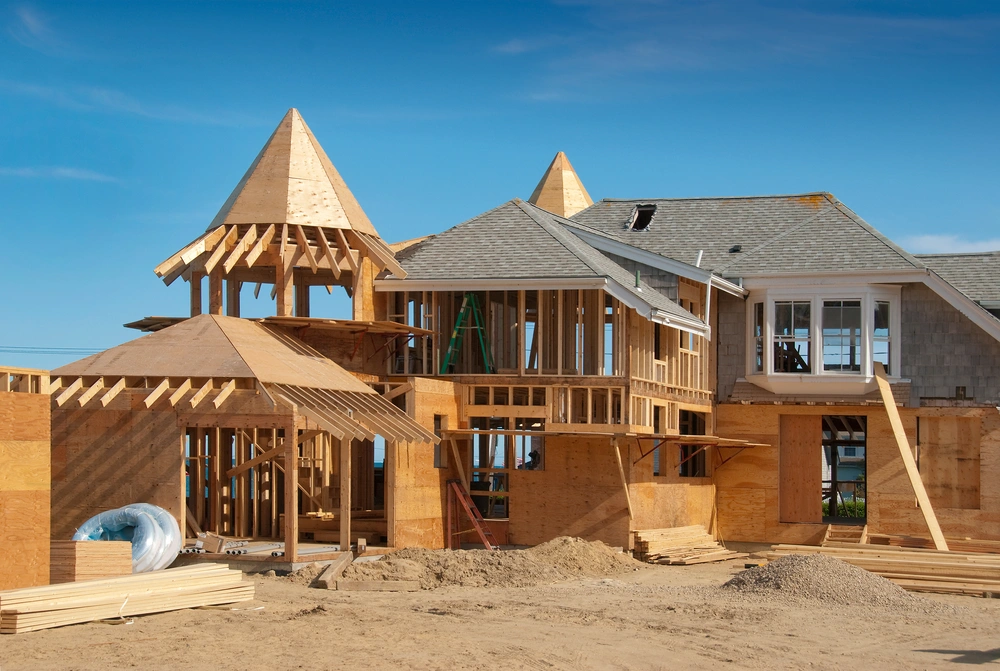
[792,320]
[758,337]
[881,336]
[842,336]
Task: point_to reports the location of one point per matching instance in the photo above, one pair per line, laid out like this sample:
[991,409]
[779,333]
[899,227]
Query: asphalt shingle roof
[811,232]
[977,274]
[518,241]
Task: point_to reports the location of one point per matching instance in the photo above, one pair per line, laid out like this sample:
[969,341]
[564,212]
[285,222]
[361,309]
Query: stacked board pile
[967,545]
[89,560]
[680,546]
[33,608]
[914,569]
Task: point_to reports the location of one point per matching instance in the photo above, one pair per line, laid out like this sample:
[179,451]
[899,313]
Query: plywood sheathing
[749,485]
[291,209]
[560,190]
[293,181]
[24,485]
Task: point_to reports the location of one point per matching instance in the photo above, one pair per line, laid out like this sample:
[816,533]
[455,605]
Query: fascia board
[488,285]
[646,311]
[656,261]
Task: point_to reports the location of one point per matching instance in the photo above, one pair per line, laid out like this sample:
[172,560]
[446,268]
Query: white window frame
[820,381]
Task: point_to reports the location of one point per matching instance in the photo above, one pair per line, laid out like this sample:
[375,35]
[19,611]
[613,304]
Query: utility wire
[10,349]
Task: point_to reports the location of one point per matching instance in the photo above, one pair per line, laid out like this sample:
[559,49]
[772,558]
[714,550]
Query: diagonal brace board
[908,462]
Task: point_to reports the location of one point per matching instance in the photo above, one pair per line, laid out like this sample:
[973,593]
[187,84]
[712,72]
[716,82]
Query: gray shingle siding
[731,337]
[661,280]
[942,349]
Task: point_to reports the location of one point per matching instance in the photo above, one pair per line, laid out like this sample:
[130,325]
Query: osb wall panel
[418,489]
[891,506]
[666,500]
[578,494]
[24,490]
[104,458]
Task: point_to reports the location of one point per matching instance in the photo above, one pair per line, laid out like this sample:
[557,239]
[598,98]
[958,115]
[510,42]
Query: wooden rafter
[157,392]
[258,249]
[224,246]
[91,392]
[182,389]
[201,393]
[115,389]
[223,394]
[346,250]
[68,392]
[300,236]
[241,248]
[328,252]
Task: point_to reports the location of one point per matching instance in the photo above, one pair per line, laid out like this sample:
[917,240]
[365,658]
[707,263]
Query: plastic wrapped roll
[173,540]
[153,532]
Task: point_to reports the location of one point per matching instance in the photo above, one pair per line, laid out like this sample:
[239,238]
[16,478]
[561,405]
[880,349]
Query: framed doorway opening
[845,469]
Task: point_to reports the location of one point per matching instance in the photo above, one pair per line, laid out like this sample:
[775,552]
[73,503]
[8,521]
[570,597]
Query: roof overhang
[686,270]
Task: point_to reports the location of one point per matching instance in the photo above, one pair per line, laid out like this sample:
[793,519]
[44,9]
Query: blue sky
[124,126]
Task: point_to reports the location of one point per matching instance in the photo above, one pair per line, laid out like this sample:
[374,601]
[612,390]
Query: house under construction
[576,368]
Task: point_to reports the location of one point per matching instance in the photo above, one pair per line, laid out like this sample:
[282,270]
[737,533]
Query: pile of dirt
[559,559]
[820,578]
[307,574]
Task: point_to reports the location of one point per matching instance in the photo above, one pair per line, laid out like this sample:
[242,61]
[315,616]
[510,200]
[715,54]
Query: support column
[364,290]
[345,494]
[215,292]
[284,287]
[301,298]
[233,297]
[196,278]
[291,492]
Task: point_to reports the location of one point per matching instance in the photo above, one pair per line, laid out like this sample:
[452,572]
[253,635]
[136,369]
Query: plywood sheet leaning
[25,477]
[908,462]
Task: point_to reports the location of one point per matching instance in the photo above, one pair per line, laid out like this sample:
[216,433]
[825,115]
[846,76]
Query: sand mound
[307,574]
[820,578]
[559,559]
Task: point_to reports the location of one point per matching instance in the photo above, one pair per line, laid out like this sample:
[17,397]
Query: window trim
[820,381]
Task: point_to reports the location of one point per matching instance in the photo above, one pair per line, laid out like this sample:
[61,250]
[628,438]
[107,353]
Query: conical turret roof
[293,181]
[560,191]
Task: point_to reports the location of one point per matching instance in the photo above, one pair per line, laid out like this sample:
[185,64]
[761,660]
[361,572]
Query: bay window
[823,336]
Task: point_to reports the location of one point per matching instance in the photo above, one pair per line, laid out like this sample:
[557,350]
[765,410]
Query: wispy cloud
[57,172]
[625,42]
[31,29]
[96,99]
[948,244]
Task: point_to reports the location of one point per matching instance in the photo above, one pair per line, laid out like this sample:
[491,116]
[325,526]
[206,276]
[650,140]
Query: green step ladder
[470,308]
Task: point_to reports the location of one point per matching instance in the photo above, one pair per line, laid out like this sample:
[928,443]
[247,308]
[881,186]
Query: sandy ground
[656,617]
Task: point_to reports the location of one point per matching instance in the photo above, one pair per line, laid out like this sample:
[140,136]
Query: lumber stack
[967,545]
[34,608]
[89,560]
[916,570]
[680,546]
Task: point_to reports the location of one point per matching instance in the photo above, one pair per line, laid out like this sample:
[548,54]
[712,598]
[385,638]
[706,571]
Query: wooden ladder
[458,494]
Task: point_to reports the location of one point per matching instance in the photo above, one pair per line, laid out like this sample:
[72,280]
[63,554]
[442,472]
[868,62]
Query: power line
[11,349]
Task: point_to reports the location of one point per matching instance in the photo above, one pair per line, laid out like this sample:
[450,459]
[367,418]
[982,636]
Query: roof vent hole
[735,248]
[641,217]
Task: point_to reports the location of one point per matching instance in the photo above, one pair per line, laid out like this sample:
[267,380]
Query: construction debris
[680,546]
[915,570]
[34,608]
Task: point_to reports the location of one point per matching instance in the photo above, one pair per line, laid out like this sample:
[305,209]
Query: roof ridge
[767,243]
[776,195]
[874,232]
[557,233]
[954,254]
